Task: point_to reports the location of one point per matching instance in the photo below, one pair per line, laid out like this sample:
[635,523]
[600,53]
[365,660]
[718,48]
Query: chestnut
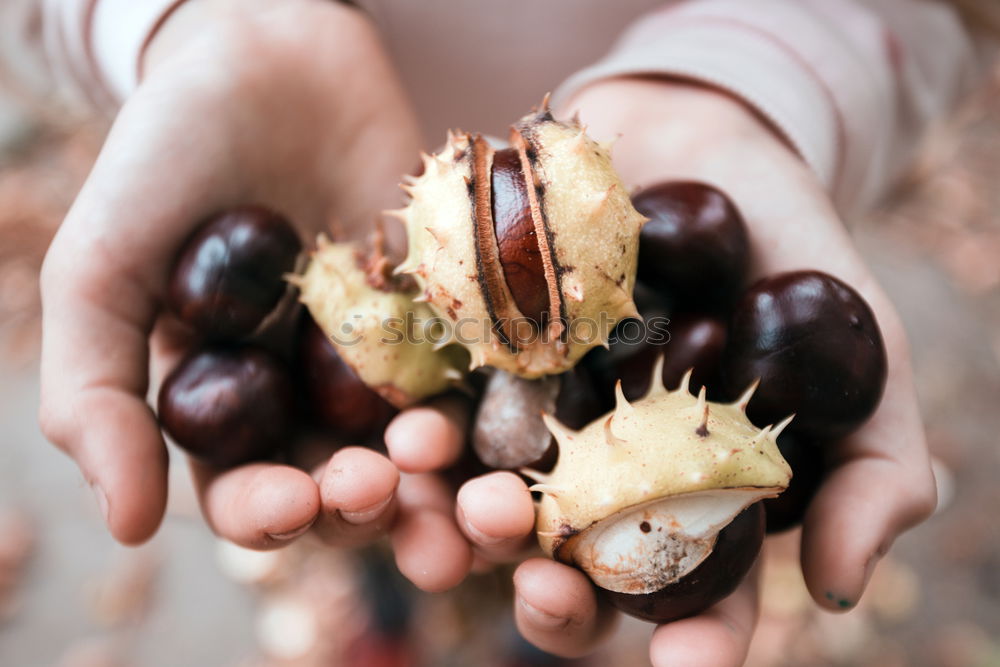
[735,551]
[509,432]
[229,275]
[808,469]
[695,246]
[815,346]
[336,397]
[517,243]
[228,405]
[695,342]
[651,500]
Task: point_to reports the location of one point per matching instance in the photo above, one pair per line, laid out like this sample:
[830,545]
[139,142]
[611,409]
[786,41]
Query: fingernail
[292,534]
[479,536]
[843,603]
[541,618]
[366,515]
[102,500]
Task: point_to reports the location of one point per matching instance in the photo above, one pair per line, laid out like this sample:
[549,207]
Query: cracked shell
[639,496]
[584,242]
[364,313]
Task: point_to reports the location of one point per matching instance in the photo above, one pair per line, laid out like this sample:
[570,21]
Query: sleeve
[851,83]
[81,50]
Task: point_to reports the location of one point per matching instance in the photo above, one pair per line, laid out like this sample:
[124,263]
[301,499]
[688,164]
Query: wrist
[664,128]
[213,23]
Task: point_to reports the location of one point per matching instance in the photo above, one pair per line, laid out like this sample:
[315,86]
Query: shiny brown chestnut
[229,274]
[517,242]
[694,342]
[695,246]
[227,406]
[735,552]
[808,468]
[816,347]
[336,397]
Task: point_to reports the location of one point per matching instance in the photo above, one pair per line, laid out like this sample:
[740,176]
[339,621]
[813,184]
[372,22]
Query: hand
[881,483]
[289,104]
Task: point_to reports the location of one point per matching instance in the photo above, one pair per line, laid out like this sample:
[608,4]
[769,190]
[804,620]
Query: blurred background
[69,596]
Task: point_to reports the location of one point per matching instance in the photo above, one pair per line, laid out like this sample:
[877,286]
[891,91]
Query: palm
[303,131]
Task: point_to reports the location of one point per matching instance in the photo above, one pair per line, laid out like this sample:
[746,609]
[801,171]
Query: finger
[881,486]
[430,551]
[358,491]
[258,505]
[718,637]
[428,437]
[496,514]
[100,284]
[556,608]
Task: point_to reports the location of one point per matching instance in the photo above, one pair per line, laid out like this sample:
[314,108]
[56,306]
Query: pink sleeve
[91,49]
[850,83]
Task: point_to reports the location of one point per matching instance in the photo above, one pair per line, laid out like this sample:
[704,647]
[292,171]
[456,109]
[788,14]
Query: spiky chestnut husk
[363,311]
[531,250]
[638,497]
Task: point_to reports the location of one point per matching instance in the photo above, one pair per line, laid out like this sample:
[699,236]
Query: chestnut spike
[776,431]
[621,403]
[702,429]
[436,236]
[549,533]
[407,266]
[574,292]
[686,382]
[656,382]
[424,297]
[765,434]
[407,188]
[545,103]
[744,399]
[293,279]
[702,403]
[476,362]
[539,477]
[609,435]
[556,428]
[553,491]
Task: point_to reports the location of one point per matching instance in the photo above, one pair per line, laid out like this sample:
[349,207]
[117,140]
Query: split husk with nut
[638,497]
[373,321]
[529,251]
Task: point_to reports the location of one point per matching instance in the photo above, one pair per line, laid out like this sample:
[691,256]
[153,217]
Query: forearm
[850,84]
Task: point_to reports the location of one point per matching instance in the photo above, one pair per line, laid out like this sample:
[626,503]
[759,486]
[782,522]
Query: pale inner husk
[646,547]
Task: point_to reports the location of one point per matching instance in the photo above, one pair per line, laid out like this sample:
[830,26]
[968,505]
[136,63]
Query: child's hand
[881,484]
[292,105]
